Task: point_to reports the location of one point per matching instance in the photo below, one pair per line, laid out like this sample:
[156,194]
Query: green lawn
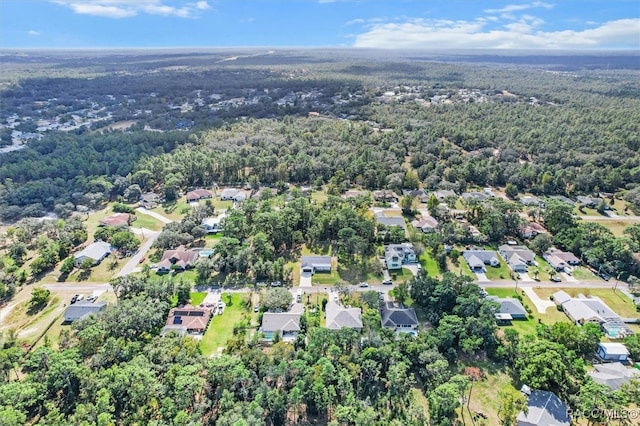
[528,326]
[403,274]
[582,273]
[501,272]
[615,226]
[484,392]
[197,297]
[148,222]
[323,278]
[429,264]
[221,326]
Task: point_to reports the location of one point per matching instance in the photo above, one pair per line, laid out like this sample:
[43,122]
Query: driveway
[568,278]
[305,279]
[413,267]
[525,277]
[482,277]
[541,304]
[133,263]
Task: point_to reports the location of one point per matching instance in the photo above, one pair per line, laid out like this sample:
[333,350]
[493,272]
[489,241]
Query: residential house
[564,199]
[96,252]
[149,200]
[264,190]
[587,201]
[509,307]
[592,309]
[188,320]
[561,260]
[213,225]
[614,374]
[395,255]
[477,259]
[517,257]
[82,309]
[385,195]
[390,221]
[118,220]
[198,194]
[340,317]
[612,352]
[544,409]
[233,194]
[474,196]
[418,194]
[531,201]
[532,229]
[285,324]
[443,194]
[398,318]
[425,224]
[313,264]
[179,259]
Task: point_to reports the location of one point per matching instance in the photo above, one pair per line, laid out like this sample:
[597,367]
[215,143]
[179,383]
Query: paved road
[616,217]
[68,286]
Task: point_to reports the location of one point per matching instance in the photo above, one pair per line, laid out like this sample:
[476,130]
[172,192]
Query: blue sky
[428,24]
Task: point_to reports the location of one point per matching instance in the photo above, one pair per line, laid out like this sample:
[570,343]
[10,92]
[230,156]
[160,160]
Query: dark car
[604,276]
[555,279]
[74,299]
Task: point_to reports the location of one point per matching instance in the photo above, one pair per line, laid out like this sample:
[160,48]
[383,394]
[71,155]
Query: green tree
[277,299]
[400,293]
[39,297]
[510,403]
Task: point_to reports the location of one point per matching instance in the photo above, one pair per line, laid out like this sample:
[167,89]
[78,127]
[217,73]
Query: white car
[363,285]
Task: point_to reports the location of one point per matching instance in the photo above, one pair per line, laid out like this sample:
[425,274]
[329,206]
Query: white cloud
[33,33]
[128,8]
[247,20]
[516,32]
[518,7]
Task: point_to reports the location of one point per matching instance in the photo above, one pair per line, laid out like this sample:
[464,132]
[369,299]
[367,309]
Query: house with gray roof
[390,221]
[612,352]
[82,309]
[477,259]
[96,252]
[285,324]
[583,309]
[395,255]
[340,317]
[398,318]
[474,196]
[614,374]
[517,257]
[510,308]
[425,224]
[544,409]
[313,264]
[444,193]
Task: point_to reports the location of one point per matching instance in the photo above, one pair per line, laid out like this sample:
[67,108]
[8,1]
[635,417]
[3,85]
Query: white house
[612,352]
[313,264]
[96,252]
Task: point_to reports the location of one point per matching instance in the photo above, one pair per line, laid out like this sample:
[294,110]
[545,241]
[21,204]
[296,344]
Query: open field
[582,273]
[148,222]
[221,326]
[484,394]
[429,264]
[615,226]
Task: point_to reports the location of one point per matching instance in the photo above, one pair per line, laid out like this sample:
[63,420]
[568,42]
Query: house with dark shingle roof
[313,264]
[544,409]
[82,309]
[398,318]
[198,194]
[340,317]
[517,257]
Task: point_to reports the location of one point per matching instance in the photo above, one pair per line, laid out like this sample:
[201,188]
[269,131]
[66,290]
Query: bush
[122,208]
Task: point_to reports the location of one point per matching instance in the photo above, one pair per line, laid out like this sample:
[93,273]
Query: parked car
[142,259]
[555,279]
[256,308]
[363,285]
[92,298]
[74,299]
[604,276]
[276,284]
[387,282]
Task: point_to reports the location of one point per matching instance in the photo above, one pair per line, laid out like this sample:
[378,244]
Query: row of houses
[287,324]
[518,258]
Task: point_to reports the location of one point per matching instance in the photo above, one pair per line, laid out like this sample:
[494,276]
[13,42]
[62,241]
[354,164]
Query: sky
[389,24]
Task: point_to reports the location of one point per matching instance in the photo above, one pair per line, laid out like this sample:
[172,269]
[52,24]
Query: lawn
[501,272]
[528,326]
[484,394]
[221,326]
[148,222]
[616,300]
[323,278]
[403,274]
[353,274]
[582,273]
[429,264]
[615,226]
[197,297]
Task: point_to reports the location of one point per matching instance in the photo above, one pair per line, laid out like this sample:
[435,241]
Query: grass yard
[429,264]
[528,326]
[323,278]
[403,274]
[484,394]
[319,196]
[461,268]
[616,300]
[582,273]
[221,326]
[197,297]
[501,272]
[148,222]
[615,226]
[353,274]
